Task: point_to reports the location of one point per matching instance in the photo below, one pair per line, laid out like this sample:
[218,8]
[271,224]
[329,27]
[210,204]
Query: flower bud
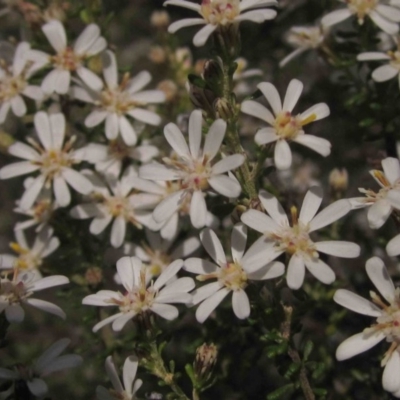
[160,19]
[157,55]
[223,109]
[338,180]
[206,358]
[169,88]
[93,276]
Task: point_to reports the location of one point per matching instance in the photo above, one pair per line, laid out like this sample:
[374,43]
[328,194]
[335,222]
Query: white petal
[119,323]
[256,16]
[390,377]
[46,306]
[18,106]
[393,14]
[49,83]
[393,197]
[320,270]
[372,56]
[282,155]
[145,116]
[378,213]
[110,71]
[158,172]
[15,313]
[357,344]
[199,266]
[273,208]
[213,246]
[339,248]
[175,288]
[391,168]
[176,140]
[105,322]
[259,221]
[384,73]
[225,185]
[127,132]
[95,118]
[203,34]
[37,387]
[198,209]
[271,94]
[99,224]
[293,94]
[238,241]
[251,107]
[149,96]
[78,181]
[168,273]
[4,109]
[260,253]
[195,132]
[49,281]
[118,231]
[113,375]
[240,304]
[61,191]
[129,269]
[330,214]
[86,39]
[43,129]
[129,372]
[266,136]
[214,138]
[319,145]
[57,128]
[387,26]
[270,271]
[182,3]
[183,23]
[335,17]
[138,82]
[169,206]
[295,272]
[90,78]
[97,47]
[17,169]
[311,204]
[165,310]
[61,81]
[292,56]
[21,150]
[356,303]
[205,292]
[31,194]
[379,276]
[55,33]
[112,126]
[209,305]
[318,111]
[64,362]
[393,247]
[228,163]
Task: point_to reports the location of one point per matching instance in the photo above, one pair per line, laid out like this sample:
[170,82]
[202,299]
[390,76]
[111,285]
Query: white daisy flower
[220,14]
[158,253]
[141,295]
[387,71]
[14,83]
[303,38]
[30,258]
[285,126]
[387,325]
[233,276]
[385,16]
[126,391]
[121,100]
[280,237]
[194,170]
[68,59]
[40,212]
[108,159]
[18,291]
[114,200]
[50,361]
[52,159]
[381,203]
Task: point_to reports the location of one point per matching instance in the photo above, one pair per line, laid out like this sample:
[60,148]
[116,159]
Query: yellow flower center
[220,12]
[67,60]
[361,8]
[118,149]
[288,126]
[395,59]
[27,259]
[11,86]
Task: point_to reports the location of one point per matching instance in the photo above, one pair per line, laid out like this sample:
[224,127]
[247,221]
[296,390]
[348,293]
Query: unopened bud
[169,88]
[206,358]
[339,180]
[157,55]
[94,276]
[202,98]
[223,109]
[160,19]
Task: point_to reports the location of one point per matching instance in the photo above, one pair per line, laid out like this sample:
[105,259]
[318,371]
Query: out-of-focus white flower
[130,387]
[285,126]
[68,59]
[50,361]
[141,295]
[159,253]
[194,170]
[387,71]
[53,160]
[303,38]
[385,16]
[388,197]
[231,276]
[280,237]
[40,212]
[14,83]
[113,200]
[108,159]
[30,258]
[241,87]
[18,291]
[118,101]
[387,325]
[221,13]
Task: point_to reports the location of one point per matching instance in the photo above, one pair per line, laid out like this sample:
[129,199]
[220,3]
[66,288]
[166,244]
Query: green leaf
[308,348]
[279,393]
[197,81]
[367,122]
[293,368]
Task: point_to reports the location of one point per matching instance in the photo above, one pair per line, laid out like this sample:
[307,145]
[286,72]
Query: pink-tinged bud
[339,180]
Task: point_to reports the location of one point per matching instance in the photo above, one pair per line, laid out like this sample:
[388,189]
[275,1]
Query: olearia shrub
[209,192]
